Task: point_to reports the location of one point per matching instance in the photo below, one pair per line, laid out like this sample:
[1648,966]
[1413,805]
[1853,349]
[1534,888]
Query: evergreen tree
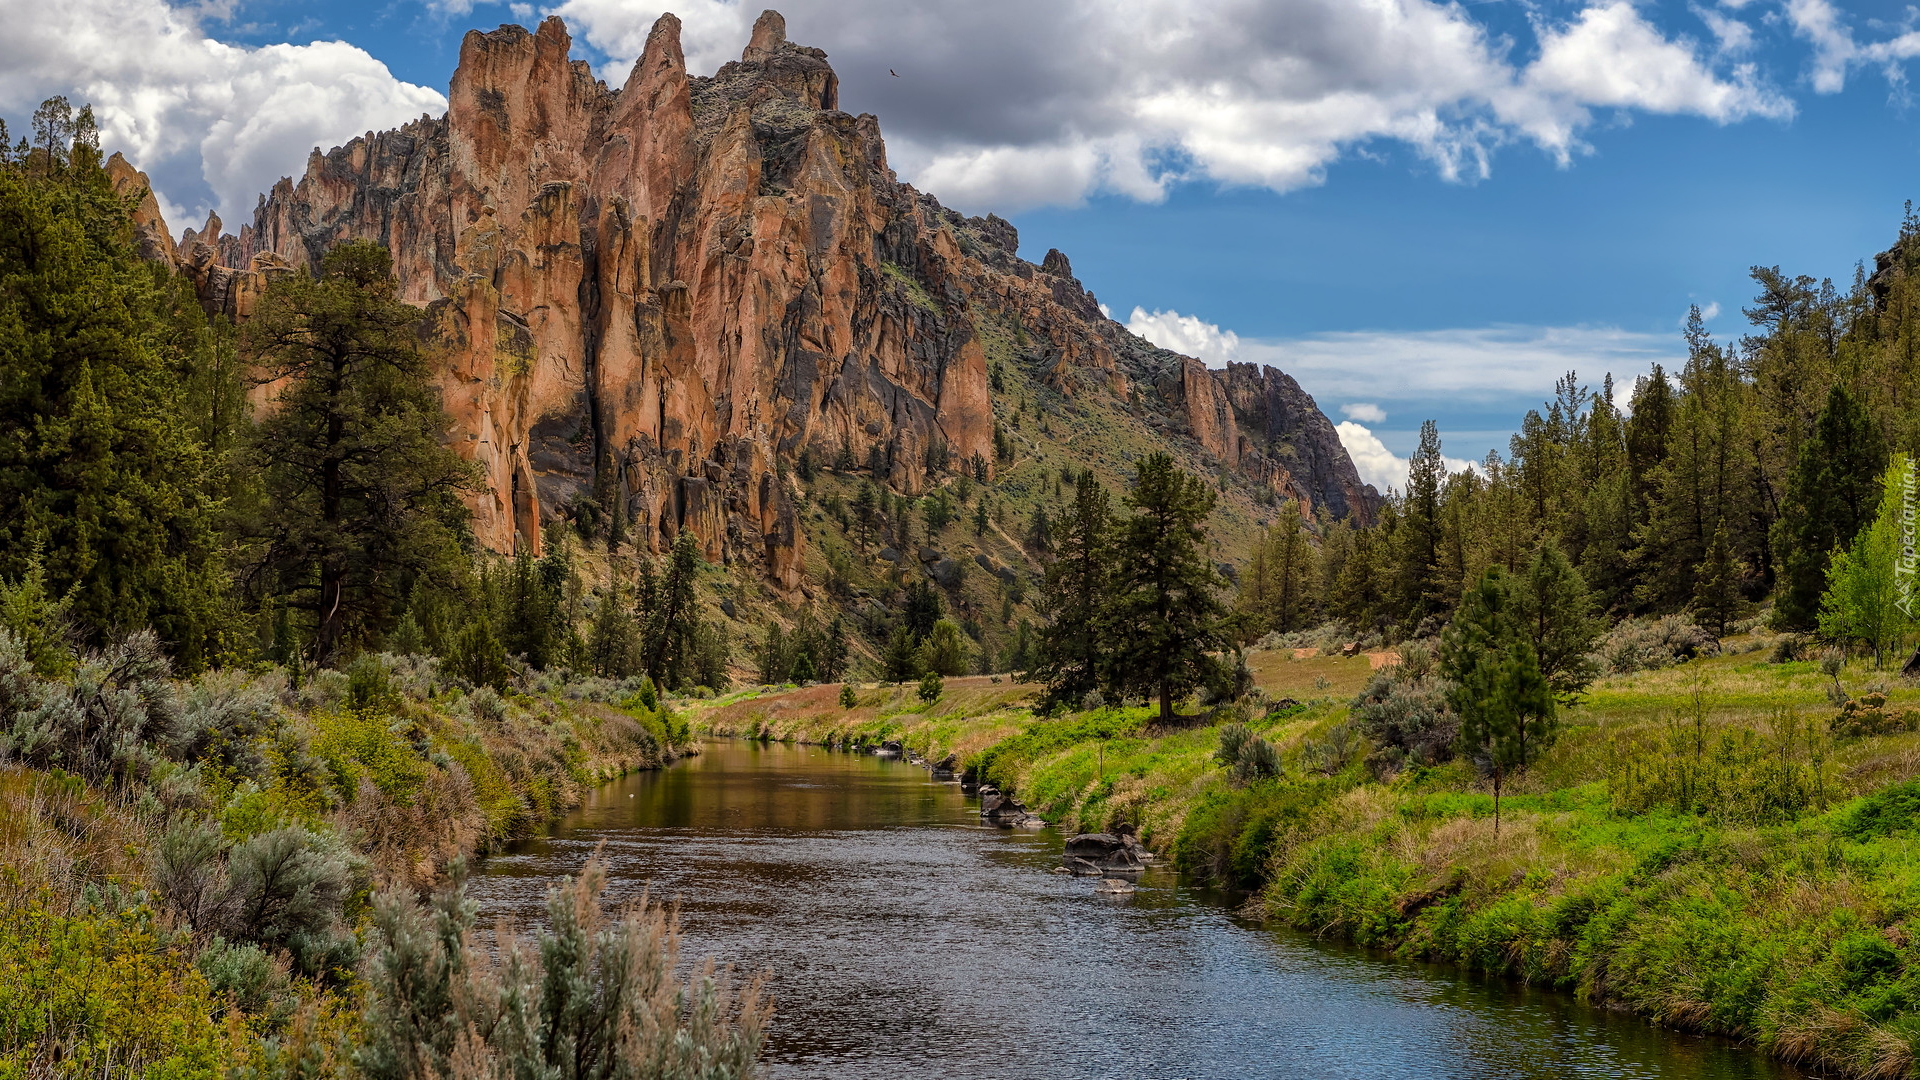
[1834,491]
[945,650]
[1163,617]
[671,641]
[1418,536]
[105,477]
[1071,649]
[921,610]
[1555,608]
[1716,593]
[362,496]
[900,662]
[1275,591]
[1505,706]
[611,641]
[776,656]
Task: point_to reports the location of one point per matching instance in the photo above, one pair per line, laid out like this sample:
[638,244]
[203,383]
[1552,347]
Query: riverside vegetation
[1635,731]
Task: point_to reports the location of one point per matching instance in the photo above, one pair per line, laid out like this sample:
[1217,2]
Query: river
[905,939]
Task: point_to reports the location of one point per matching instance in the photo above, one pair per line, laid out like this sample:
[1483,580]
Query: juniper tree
[363,496]
[104,478]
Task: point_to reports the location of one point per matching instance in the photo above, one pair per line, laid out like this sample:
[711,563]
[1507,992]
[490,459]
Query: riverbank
[190,902]
[1697,847]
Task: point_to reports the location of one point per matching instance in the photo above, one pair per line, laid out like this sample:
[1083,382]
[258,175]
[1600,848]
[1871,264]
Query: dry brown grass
[57,838]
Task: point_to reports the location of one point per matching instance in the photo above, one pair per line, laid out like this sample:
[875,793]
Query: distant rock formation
[642,300]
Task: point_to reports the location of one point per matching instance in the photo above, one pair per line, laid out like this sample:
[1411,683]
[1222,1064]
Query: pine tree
[1555,608]
[1071,650]
[1163,618]
[611,641]
[1418,537]
[1716,592]
[1833,492]
[362,495]
[1505,706]
[670,642]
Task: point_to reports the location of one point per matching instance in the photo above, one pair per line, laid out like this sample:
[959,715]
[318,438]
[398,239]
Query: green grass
[1790,922]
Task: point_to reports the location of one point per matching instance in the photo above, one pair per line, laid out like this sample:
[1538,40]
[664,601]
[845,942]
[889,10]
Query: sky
[1420,210]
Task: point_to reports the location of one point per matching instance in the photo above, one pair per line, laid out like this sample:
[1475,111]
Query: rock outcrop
[642,300]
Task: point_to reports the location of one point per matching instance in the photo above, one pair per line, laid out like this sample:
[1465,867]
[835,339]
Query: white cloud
[213,124]
[1710,312]
[1378,465]
[1187,334]
[1478,366]
[1005,104]
[1365,412]
[1821,25]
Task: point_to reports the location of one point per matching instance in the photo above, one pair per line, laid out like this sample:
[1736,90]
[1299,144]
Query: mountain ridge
[642,302]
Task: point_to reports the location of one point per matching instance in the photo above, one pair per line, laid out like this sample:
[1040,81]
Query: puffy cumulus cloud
[1187,334]
[1364,411]
[1006,104]
[1611,57]
[213,124]
[1378,465]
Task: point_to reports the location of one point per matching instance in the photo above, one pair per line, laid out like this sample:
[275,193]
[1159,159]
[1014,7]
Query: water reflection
[907,940]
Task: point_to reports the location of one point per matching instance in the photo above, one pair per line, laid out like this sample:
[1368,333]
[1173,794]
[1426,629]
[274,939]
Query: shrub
[1406,718]
[848,699]
[105,727]
[1651,644]
[1246,755]
[931,687]
[595,991]
[92,994]
[360,745]
[225,721]
[1889,810]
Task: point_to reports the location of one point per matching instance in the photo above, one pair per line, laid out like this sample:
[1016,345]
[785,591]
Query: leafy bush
[90,993]
[365,744]
[931,687]
[848,699]
[593,998]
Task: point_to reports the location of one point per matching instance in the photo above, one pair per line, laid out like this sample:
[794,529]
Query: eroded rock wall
[643,299]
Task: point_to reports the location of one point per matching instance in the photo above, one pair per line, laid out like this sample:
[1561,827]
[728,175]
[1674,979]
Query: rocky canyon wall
[642,300]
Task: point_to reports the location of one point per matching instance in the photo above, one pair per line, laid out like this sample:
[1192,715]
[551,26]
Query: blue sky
[1421,210]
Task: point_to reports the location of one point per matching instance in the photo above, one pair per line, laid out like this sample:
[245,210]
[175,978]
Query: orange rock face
[643,299]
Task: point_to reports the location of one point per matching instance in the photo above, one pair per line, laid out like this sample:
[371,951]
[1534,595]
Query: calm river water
[907,940]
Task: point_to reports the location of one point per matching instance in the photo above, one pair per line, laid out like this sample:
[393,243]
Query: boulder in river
[1109,851]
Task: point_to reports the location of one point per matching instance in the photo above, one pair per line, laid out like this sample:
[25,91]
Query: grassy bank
[1700,845]
[188,870]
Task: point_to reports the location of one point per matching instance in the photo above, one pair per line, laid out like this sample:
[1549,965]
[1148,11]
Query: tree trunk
[1912,667]
[1496,802]
[1166,703]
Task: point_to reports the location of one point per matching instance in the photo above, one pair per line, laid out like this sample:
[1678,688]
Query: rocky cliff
[642,300]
